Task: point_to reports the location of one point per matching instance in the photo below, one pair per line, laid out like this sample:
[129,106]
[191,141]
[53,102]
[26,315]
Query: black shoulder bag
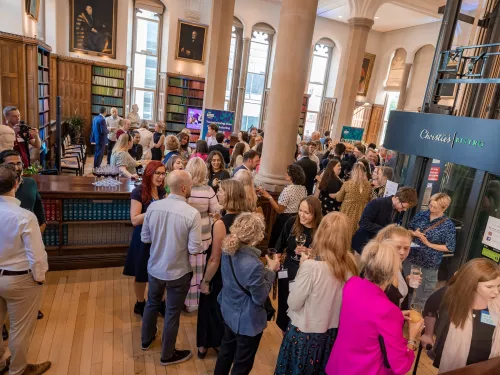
[268,306]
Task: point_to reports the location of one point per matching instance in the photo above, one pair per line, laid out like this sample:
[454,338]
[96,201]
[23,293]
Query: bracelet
[413,343]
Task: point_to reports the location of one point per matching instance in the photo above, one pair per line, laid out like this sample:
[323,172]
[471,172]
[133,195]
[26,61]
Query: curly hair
[247,229]
[172,143]
[296,174]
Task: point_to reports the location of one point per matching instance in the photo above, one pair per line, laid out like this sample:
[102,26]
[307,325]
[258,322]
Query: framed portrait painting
[93,27]
[32,8]
[366,74]
[191,39]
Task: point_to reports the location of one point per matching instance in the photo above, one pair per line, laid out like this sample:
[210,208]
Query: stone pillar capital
[360,23]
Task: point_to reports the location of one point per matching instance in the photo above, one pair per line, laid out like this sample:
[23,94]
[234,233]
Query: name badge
[413,244]
[486,318]
[283,274]
[291,286]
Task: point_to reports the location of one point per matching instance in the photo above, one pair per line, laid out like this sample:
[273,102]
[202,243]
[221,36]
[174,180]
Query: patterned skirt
[193,296]
[304,353]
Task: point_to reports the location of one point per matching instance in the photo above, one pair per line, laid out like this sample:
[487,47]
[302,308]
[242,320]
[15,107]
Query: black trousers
[111,144]
[238,351]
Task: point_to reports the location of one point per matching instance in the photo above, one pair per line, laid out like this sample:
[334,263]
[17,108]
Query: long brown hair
[314,205]
[235,196]
[358,176]
[238,150]
[329,174]
[460,294]
[332,243]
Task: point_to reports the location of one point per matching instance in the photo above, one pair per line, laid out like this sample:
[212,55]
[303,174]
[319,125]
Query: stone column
[221,23]
[359,28]
[242,85]
[404,87]
[288,82]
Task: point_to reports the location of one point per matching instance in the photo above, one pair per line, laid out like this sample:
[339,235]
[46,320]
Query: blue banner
[223,119]
[351,135]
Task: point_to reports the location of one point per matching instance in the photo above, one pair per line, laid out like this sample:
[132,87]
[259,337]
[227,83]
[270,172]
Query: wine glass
[300,239]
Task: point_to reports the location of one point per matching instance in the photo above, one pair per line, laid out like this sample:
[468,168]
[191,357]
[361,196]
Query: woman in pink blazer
[370,339]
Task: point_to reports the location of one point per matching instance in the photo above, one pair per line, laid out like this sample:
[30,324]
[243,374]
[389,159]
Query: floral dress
[354,201]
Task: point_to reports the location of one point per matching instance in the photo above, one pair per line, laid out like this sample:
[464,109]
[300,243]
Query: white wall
[14,20]
[419,77]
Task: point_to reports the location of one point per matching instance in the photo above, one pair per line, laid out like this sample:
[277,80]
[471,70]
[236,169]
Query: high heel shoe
[202,355]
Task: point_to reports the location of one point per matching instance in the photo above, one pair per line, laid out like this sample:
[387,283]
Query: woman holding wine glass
[295,238]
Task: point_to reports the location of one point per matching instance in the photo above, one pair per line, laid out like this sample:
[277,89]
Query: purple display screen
[194,118]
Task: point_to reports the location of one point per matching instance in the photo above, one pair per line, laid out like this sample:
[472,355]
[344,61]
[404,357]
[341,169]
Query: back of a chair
[490,367]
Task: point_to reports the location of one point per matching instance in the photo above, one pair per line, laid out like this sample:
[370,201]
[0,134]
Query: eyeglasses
[18,164]
[160,174]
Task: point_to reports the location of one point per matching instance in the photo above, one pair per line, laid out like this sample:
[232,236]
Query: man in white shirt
[112,125]
[173,228]
[23,264]
[211,132]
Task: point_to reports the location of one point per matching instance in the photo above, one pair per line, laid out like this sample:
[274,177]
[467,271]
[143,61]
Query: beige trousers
[20,297]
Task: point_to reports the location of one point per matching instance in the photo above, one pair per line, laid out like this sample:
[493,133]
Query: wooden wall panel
[53,86]
[74,88]
[12,87]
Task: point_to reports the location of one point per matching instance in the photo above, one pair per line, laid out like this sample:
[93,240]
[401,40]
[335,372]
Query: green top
[30,198]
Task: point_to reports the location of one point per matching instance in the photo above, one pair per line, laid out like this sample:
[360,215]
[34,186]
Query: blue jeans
[424,291]
[177,291]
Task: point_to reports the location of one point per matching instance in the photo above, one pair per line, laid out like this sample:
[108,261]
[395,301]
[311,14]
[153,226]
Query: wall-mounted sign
[491,235]
[434,173]
[467,141]
[351,135]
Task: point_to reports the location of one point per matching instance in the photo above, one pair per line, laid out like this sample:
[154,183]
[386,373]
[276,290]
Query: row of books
[111,234]
[43,76]
[109,91]
[176,117]
[176,108]
[180,100]
[96,108]
[174,126]
[96,80]
[51,209]
[87,209]
[44,118]
[106,100]
[51,235]
[183,82]
[193,138]
[43,104]
[43,60]
[115,73]
[43,134]
[185,92]
[43,90]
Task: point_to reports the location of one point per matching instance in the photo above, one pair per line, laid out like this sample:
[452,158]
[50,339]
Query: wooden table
[490,367]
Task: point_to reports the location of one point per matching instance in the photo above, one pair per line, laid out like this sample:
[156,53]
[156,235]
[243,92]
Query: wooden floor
[89,328]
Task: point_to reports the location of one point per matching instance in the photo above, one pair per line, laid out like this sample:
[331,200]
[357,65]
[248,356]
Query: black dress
[156,152]
[329,204]
[286,244]
[136,263]
[210,325]
[221,175]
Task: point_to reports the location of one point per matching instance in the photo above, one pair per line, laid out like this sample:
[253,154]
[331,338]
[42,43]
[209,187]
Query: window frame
[133,89]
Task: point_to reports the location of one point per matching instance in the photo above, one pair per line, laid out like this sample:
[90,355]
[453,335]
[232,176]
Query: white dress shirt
[21,247]
[112,125]
[173,228]
[211,141]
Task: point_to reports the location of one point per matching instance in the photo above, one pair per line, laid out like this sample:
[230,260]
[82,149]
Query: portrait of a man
[191,41]
[93,27]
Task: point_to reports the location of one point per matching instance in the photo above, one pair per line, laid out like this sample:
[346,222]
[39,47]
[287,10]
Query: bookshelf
[303,113]
[43,95]
[108,90]
[183,92]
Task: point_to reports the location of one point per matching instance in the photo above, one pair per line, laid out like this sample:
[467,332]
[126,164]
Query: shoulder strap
[236,279]
[436,224]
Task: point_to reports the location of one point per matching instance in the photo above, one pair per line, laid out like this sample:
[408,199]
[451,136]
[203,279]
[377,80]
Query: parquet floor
[89,328]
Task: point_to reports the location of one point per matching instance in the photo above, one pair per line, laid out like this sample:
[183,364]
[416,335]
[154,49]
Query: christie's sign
[450,139]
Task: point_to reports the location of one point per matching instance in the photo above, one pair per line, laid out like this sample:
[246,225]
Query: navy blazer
[245,315]
[377,214]
[99,130]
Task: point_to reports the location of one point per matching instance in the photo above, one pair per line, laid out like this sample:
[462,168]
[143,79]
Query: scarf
[457,345]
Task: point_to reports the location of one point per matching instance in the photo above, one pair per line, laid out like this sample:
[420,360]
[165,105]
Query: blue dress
[136,263]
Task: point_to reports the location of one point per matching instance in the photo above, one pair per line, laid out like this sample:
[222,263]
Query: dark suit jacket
[99,130]
[242,166]
[377,214]
[310,169]
[223,150]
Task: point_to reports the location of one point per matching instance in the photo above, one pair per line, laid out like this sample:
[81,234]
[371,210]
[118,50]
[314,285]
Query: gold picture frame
[102,41]
[189,48]
[366,73]
[33,8]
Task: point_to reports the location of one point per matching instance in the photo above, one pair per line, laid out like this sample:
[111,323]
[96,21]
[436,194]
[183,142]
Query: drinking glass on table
[416,310]
[415,274]
[300,239]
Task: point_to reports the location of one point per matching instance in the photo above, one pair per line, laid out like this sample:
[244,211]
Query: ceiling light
[340,16]
[377,18]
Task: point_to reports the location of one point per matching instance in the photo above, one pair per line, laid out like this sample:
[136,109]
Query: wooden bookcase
[108,86]
[183,92]
[43,70]
[303,113]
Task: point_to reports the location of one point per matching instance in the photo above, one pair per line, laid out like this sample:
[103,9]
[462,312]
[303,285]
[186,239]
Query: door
[375,123]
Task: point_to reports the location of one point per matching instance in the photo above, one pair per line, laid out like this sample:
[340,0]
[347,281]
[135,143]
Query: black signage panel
[472,142]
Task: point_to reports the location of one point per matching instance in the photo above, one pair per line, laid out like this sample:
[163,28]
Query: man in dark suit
[310,168]
[99,136]
[381,212]
[191,46]
[220,147]
[251,159]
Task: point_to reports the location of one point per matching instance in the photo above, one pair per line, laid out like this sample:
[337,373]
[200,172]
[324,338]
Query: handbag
[268,306]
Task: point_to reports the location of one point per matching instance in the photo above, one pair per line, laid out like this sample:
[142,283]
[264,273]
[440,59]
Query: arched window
[258,68]
[318,80]
[233,72]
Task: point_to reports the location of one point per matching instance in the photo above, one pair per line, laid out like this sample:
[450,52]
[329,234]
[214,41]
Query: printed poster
[351,135]
[223,119]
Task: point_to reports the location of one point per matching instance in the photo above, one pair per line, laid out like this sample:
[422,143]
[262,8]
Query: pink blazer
[367,314]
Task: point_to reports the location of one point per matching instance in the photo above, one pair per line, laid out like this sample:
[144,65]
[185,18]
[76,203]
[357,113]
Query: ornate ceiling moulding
[360,23]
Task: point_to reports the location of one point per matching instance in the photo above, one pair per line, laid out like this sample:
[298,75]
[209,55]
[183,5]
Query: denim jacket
[245,315]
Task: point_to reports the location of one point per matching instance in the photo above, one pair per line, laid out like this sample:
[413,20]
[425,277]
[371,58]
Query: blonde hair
[171,143]
[380,262]
[197,168]
[122,143]
[123,121]
[235,200]
[390,231]
[334,250]
[358,176]
[245,177]
[247,229]
[161,126]
[442,199]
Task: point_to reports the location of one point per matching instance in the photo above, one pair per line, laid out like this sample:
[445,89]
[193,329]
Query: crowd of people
[350,277]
